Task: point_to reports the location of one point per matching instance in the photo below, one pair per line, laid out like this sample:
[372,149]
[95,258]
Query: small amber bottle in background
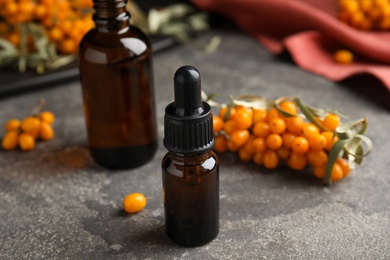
[190,170]
[115,62]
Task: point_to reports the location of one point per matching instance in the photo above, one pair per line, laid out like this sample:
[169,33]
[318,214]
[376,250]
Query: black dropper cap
[188,122]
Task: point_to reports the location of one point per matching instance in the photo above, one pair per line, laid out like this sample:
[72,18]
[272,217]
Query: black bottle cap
[188,122]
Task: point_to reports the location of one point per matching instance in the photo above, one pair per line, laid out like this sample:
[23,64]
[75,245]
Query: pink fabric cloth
[310,31]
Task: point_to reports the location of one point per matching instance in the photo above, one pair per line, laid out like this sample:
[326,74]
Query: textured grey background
[55,203]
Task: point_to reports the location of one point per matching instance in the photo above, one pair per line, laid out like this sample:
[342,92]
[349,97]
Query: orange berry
[217,124]
[288,139]
[13,38]
[309,129]
[223,113]
[26,141]
[297,161]
[300,145]
[229,126]
[248,146]
[295,124]
[259,115]
[239,137]
[259,145]
[232,147]
[330,139]
[271,114]
[67,46]
[317,142]
[277,125]
[331,122]
[134,202]
[283,153]
[10,140]
[344,166]
[243,119]
[40,11]
[220,144]
[261,129]
[270,159]
[244,155]
[258,158]
[47,117]
[317,158]
[30,124]
[337,173]
[343,56]
[274,141]
[46,131]
[289,107]
[319,172]
[55,34]
[12,125]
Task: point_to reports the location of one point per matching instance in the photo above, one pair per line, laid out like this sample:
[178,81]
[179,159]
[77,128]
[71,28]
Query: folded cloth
[311,32]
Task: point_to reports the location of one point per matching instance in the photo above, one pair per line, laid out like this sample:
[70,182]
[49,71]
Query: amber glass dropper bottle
[190,170]
[115,62]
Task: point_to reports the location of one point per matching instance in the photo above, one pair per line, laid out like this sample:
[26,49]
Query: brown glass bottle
[190,170]
[191,198]
[115,62]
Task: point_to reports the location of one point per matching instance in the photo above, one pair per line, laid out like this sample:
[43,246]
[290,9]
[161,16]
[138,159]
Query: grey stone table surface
[56,203]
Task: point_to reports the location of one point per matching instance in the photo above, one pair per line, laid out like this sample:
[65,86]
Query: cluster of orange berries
[65,22]
[365,14]
[24,133]
[267,138]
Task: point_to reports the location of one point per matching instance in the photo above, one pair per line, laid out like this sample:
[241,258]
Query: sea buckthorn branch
[286,129]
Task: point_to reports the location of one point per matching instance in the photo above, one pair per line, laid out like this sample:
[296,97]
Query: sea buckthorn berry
[271,114]
[277,125]
[31,124]
[288,139]
[46,131]
[259,145]
[134,202]
[330,139]
[317,158]
[344,166]
[261,129]
[248,146]
[229,126]
[331,122]
[243,119]
[289,107]
[217,124]
[343,56]
[226,114]
[26,141]
[239,137]
[295,124]
[258,158]
[232,147]
[10,140]
[274,141]
[220,143]
[270,159]
[259,115]
[337,172]
[317,142]
[47,117]
[319,172]
[297,161]
[283,153]
[300,145]
[12,125]
[309,129]
[244,155]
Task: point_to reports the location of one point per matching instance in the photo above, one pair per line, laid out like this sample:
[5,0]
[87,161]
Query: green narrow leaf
[350,129]
[309,115]
[334,153]
[250,101]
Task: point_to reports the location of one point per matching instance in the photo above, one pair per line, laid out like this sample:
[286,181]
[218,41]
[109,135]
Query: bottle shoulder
[99,47]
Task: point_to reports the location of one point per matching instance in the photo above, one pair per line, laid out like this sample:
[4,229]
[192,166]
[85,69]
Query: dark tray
[11,81]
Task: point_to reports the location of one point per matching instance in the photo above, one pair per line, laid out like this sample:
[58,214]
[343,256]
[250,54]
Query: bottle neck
[110,15]
[190,159]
